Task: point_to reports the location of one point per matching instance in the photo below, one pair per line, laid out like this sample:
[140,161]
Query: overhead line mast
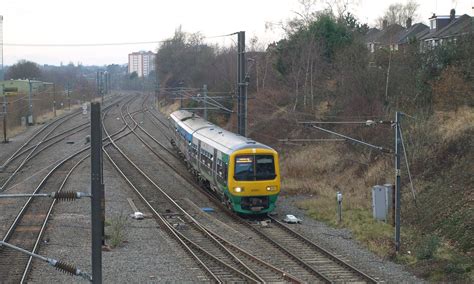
[242,82]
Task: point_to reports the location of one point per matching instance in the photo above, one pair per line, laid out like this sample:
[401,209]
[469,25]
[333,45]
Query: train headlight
[271,188]
[238,189]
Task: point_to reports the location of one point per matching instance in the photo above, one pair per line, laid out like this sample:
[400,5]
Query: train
[243,173]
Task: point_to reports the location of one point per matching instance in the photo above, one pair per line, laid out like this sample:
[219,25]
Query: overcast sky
[116,21]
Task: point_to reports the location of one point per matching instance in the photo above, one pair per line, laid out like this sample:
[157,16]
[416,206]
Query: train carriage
[244,173]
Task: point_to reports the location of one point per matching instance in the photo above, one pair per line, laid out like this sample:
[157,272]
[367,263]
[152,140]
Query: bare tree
[340,7]
[23,69]
[399,13]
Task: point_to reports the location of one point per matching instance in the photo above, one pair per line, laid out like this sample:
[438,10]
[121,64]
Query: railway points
[218,244]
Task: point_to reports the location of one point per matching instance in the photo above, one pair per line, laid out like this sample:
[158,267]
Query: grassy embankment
[437,233]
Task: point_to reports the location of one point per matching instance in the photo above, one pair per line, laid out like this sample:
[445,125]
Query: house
[411,34]
[394,36]
[387,37]
[445,29]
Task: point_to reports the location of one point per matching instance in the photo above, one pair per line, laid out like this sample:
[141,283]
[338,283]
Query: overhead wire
[99,44]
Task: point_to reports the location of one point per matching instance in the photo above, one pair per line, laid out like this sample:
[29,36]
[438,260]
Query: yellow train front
[244,173]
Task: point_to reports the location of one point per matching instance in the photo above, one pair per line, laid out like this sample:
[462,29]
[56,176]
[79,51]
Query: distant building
[444,29]
[15,87]
[142,62]
[385,38]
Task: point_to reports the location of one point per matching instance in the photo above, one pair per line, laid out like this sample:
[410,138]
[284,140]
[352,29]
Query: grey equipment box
[382,202]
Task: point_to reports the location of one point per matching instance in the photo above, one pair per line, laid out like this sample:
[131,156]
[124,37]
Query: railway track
[31,147]
[291,250]
[35,135]
[27,229]
[219,261]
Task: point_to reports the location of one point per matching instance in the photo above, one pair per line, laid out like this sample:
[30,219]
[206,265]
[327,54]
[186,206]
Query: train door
[214,168]
[198,162]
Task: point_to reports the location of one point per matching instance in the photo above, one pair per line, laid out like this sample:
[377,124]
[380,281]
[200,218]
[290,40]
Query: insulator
[66,268]
[65,196]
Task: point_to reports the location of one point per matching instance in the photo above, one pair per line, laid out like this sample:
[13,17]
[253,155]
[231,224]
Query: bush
[428,247]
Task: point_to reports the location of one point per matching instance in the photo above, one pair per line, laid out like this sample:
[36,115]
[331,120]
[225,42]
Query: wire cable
[100,44]
[81,44]
[408,165]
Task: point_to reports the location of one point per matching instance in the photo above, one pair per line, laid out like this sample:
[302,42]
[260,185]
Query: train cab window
[254,167]
[264,167]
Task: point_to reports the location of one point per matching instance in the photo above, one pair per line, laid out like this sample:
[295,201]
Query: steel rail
[46,219]
[212,197]
[191,182]
[286,251]
[2,188]
[366,277]
[34,135]
[171,200]
[49,139]
[42,183]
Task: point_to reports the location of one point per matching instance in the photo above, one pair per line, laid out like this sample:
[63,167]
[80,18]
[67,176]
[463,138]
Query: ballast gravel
[148,254]
[341,242]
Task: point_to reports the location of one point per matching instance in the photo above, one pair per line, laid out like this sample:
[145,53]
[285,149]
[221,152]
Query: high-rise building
[141,62]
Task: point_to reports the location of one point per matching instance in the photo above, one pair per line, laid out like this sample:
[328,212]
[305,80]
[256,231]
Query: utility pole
[204,93]
[242,86]
[30,103]
[97,190]
[105,82]
[180,92]
[68,98]
[5,140]
[4,110]
[100,85]
[156,89]
[398,142]
[54,99]
[1,48]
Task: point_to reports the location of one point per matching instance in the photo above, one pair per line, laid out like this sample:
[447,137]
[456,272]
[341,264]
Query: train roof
[212,134]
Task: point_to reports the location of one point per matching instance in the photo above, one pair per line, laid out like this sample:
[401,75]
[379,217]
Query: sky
[118,21]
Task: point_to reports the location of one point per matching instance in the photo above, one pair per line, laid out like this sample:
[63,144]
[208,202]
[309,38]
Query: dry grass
[322,170]
[12,132]
[168,109]
[377,236]
[438,152]
[116,229]
[453,124]
[325,169]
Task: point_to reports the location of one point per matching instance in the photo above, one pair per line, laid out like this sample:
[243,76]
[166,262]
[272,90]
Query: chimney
[384,24]
[408,23]
[452,15]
